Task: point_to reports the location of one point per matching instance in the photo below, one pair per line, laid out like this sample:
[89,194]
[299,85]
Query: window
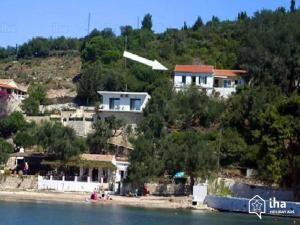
[203,80]
[135,104]
[227,83]
[183,79]
[114,103]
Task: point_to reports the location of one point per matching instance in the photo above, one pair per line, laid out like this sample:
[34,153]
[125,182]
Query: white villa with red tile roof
[211,80]
[11,95]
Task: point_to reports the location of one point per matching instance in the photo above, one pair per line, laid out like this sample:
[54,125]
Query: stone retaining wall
[18,182]
[160,189]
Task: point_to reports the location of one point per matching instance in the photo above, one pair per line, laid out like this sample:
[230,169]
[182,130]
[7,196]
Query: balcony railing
[119,109]
[182,85]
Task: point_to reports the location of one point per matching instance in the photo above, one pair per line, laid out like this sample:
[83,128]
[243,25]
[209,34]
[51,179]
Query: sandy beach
[146,201]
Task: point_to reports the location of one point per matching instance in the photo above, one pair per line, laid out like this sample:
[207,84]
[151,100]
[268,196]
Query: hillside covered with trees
[258,127]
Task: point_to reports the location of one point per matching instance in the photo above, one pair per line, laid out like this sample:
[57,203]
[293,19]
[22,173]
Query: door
[216,83]
[193,80]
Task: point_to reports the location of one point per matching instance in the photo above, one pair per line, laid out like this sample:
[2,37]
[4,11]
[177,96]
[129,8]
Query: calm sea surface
[23,213]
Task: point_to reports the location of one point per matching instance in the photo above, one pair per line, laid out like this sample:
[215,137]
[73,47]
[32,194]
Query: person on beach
[108,197]
[94,195]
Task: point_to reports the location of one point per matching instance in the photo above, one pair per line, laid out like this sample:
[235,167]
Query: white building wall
[178,80]
[124,101]
[199,192]
[188,80]
[210,82]
[121,166]
[225,92]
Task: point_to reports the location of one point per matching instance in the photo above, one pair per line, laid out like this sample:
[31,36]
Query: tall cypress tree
[147,22]
[293,6]
[184,26]
[198,24]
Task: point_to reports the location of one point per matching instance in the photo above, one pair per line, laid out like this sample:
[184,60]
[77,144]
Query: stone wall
[14,105]
[82,128]
[132,118]
[59,107]
[243,190]
[38,119]
[11,163]
[13,182]
[248,191]
[160,189]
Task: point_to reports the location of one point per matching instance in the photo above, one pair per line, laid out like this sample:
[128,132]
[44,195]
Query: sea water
[37,213]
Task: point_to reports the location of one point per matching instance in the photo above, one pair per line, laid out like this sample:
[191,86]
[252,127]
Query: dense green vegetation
[97,141]
[9,126]
[36,97]
[60,141]
[55,139]
[12,124]
[40,47]
[5,149]
[265,44]
[258,127]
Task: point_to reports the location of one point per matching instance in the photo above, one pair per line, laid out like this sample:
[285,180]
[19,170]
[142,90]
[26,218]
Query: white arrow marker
[154,64]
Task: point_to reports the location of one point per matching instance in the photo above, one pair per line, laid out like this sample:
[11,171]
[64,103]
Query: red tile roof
[194,68]
[229,73]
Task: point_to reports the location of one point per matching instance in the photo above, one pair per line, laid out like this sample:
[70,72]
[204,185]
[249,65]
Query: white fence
[76,186]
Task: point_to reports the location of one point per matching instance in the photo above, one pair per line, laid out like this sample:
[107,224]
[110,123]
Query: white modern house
[205,77]
[127,106]
[96,172]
